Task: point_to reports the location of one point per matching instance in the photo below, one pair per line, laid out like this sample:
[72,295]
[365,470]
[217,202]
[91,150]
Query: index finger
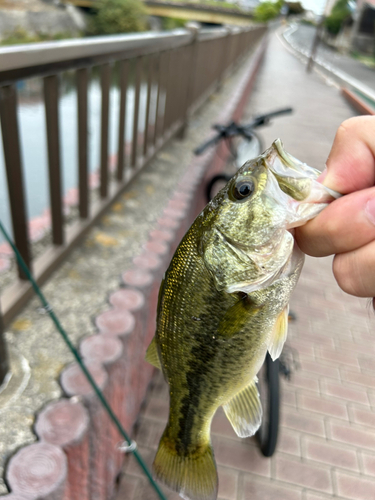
[351,162]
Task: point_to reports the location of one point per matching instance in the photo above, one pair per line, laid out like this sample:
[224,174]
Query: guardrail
[178,69]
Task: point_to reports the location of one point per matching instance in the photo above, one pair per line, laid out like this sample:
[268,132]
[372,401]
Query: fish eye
[243,189]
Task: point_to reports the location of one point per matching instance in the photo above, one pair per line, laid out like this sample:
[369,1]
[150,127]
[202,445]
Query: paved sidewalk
[327,438]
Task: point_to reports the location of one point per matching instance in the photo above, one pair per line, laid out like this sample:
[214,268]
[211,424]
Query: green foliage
[266,11]
[170,23]
[118,16]
[339,14]
[20,36]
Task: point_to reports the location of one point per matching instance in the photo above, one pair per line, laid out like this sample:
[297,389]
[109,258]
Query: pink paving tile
[362,416]
[242,456]
[288,396]
[322,405]
[5,264]
[358,378]
[228,483]
[345,433]
[6,250]
[317,368]
[221,425]
[330,453]
[368,463]
[303,474]
[311,495]
[305,348]
[356,394]
[289,442]
[271,490]
[337,358]
[360,347]
[354,487]
[157,409]
[304,381]
[302,422]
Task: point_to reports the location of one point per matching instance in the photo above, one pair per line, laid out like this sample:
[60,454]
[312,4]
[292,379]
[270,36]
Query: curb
[77,457]
[359,104]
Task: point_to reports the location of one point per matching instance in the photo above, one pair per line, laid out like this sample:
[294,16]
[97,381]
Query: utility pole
[317,37]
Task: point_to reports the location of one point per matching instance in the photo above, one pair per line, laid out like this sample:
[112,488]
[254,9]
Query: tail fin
[193,476]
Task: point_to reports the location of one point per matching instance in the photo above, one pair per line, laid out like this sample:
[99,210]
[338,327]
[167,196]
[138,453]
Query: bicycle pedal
[288,362]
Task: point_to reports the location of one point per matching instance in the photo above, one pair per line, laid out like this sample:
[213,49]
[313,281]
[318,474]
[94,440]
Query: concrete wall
[66,19]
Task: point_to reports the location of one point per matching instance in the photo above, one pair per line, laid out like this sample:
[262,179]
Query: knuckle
[346,274]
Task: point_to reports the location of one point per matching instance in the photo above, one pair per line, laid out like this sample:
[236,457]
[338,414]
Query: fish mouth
[305,196]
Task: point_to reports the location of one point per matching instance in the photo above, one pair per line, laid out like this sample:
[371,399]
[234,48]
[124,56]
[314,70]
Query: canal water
[32,124]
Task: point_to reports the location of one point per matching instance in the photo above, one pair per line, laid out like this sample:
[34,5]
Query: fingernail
[370,210]
[322,175]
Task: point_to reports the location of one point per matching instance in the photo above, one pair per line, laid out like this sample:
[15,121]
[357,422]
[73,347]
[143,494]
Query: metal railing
[177,70]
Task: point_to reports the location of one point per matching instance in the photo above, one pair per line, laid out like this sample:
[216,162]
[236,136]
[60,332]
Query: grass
[20,36]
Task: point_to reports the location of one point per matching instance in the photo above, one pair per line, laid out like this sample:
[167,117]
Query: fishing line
[129,446]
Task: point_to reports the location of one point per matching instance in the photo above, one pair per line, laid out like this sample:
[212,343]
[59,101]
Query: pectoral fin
[244,411]
[279,334]
[152,355]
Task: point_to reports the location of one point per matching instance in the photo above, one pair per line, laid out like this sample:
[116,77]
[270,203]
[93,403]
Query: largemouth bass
[222,304]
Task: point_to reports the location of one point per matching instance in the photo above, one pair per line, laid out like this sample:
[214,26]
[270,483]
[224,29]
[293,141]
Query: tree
[119,16]
[266,11]
[339,14]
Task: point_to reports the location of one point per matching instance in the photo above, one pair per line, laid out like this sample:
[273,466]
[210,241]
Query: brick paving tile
[333,356]
[221,425]
[305,348]
[367,363]
[288,396]
[322,405]
[301,380]
[271,490]
[149,432]
[368,463]
[356,394]
[127,488]
[303,474]
[228,483]
[301,422]
[307,366]
[289,442]
[358,378]
[329,453]
[371,397]
[359,437]
[360,347]
[311,334]
[354,487]
[311,495]
[242,456]
[157,409]
[362,416]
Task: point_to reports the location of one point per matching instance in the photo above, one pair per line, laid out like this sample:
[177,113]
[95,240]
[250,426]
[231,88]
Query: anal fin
[244,411]
[279,333]
[152,355]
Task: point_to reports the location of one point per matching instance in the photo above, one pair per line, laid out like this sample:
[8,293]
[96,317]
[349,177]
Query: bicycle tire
[269,388]
[210,192]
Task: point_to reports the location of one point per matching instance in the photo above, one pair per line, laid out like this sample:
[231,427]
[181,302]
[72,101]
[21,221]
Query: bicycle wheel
[269,391]
[248,149]
[214,185]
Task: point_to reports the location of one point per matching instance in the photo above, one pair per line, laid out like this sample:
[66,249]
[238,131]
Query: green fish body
[222,304]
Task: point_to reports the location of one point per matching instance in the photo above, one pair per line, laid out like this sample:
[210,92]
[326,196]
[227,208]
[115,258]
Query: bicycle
[249,146]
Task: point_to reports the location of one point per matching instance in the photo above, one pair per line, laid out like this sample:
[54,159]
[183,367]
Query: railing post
[191,66]
[13,166]
[4,363]
[82,111]
[51,101]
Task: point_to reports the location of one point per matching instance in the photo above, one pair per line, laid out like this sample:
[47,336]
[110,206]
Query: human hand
[346,227]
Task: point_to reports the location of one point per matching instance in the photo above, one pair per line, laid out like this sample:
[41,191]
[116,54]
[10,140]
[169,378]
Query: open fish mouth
[306,197]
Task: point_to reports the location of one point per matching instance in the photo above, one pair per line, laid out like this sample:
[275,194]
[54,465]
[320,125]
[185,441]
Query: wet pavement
[326,447]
